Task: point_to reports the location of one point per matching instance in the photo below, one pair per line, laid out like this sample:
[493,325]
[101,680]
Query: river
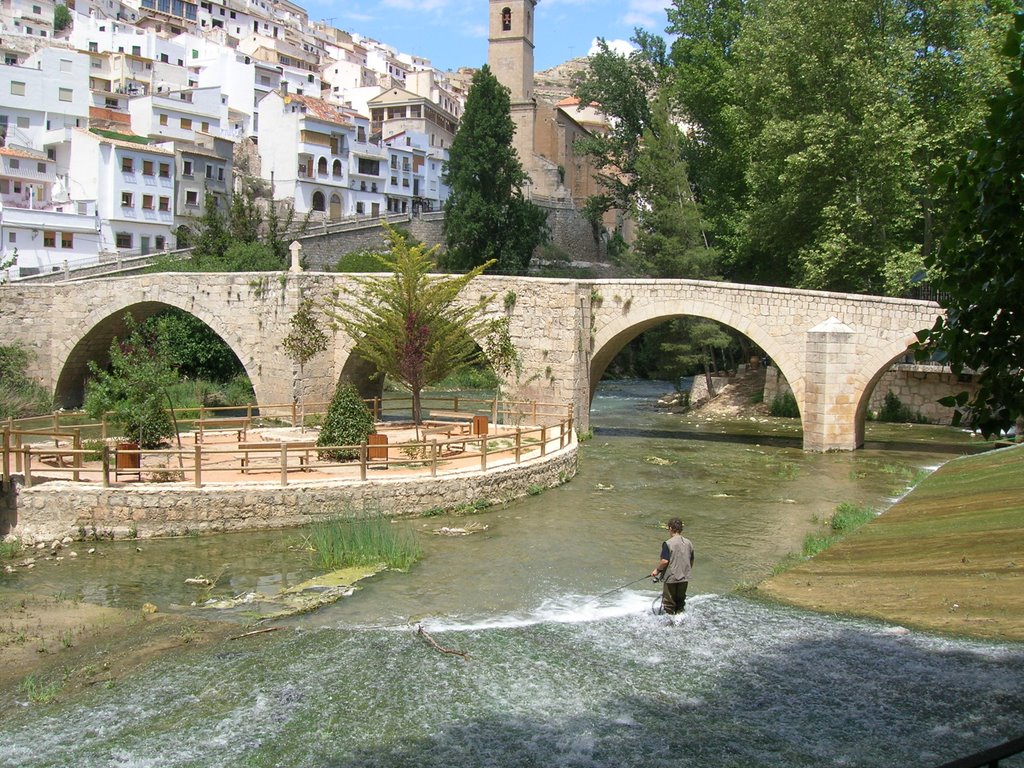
[567,665]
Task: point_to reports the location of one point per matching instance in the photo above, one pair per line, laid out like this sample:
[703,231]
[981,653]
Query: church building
[545,132]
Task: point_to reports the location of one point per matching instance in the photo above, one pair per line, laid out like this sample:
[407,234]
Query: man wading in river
[675,565]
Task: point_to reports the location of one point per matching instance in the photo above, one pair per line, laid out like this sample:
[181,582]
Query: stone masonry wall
[918,387]
[57,509]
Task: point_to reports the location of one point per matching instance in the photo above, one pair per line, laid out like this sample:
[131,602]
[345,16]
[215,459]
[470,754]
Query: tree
[670,238]
[194,349]
[134,386]
[19,394]
[410,324]
[978,264]
[486,216]
[305,340]
[623,87]
[61,18]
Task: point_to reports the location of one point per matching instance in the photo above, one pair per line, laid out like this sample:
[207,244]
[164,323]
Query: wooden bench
[457,420]
[239,425]
[274,447]
[447,430]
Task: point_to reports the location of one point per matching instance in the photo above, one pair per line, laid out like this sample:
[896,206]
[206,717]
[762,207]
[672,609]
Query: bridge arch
[614,336]
[100,329]
[871,372]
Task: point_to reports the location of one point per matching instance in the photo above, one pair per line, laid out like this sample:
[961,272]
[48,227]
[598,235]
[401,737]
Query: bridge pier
[829,403]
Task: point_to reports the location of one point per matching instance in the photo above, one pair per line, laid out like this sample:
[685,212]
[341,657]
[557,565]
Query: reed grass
[363,540]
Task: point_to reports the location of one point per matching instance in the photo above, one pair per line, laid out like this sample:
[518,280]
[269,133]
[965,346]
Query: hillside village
[116,127]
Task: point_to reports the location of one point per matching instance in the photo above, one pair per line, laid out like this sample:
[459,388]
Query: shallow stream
[565,668]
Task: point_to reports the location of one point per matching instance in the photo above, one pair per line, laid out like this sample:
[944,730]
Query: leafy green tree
[61,18]
[193,348]
[305,340]
[19,394]
[670,238]
[411,325]
[348,422]
[486,216]
[134,386]
[624,87]
[978,264]
[816,129]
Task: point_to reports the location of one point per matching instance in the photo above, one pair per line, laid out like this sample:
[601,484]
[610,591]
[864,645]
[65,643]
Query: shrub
[894,410]
[348,422]
[784,405]
[19,395]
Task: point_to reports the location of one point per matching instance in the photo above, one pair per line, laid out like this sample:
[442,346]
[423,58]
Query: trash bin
[377,448]
[128,460]
[479,425]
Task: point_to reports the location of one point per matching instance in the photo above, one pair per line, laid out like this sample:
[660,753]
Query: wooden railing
[548,427]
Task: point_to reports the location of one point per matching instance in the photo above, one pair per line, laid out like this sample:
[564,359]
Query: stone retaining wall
[57,509]
[919,387]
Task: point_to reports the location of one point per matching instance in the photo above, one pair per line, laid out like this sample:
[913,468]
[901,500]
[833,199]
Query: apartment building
[308,159]
[180,115]
[47,93]
[397,110]
[201,166]
[32,18]
[130,180]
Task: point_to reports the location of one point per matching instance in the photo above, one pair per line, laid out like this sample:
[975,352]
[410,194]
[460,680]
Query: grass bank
[948,558]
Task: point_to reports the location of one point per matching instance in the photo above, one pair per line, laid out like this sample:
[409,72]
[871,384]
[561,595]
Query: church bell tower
[510,49]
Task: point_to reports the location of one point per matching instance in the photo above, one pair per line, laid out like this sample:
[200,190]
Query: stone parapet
[57,509]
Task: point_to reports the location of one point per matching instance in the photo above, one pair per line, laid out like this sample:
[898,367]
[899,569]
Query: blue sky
[453,33]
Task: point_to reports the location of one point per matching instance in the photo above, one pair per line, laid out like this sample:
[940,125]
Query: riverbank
[946,558]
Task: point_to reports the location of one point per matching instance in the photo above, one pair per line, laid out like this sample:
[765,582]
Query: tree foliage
[134,386]
[20,395]
[61,18]
[487,218]
[410,324]
[193,348]
[348,422]
[816,129]
[978,264]
[670,238]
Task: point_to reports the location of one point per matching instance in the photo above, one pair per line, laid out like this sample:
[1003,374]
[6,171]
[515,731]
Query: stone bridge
[832,348]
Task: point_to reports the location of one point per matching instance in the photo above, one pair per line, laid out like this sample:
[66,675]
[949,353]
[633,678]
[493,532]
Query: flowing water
[565,667]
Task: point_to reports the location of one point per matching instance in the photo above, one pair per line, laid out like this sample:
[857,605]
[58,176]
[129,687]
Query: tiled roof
[319,108]
[26,154]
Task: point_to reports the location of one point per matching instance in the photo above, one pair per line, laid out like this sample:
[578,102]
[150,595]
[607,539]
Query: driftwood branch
[433,643]
[255,632]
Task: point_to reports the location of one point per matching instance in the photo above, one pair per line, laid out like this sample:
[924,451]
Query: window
[148,202]
[319,203]
[67,239]
[15,163]
[360,208]
[186,168]
[360,133]
[41,167]
[191,197]
[127,165]
[165,58]
[127,200]
[65,65]
[65,94]
[147,167]
[186,124]
[49,239]
[136,50]
[220,174]
[94,48]
[165,170]
[165,204]
[209,171]
[506,19]
[160,242]
[17,88]
[12,237]
[123,239]
[205,127]
[163,119]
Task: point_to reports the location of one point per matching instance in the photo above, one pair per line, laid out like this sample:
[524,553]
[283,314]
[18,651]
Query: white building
[32,18]
[130,179]
[181,114]
[49,92]
[320,157]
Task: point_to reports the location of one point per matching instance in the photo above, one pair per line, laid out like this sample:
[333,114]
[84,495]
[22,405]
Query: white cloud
[621,47]
[645,13]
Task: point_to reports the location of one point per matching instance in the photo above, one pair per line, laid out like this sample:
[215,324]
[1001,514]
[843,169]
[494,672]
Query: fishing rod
[603,594]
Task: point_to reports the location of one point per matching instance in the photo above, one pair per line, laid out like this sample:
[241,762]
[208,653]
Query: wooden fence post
[284,463]
[198,466]
[483,453]
[433,458]
[26,463]
[77,459]
[6,459]
[362,459]
[519,444]
[105,480]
